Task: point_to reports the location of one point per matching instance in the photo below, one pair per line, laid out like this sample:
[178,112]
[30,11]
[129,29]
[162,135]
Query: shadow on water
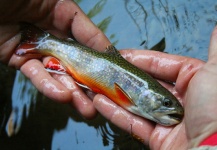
[6,82]
[39,123]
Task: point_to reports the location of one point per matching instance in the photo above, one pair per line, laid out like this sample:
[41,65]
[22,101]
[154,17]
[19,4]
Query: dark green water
[179,27]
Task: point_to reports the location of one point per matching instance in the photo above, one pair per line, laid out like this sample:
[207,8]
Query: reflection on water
[23,95]
[34,122]
[180,27]
[6,82]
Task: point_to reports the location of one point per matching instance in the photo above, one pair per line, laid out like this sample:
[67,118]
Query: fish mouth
[168,118]
[177,117]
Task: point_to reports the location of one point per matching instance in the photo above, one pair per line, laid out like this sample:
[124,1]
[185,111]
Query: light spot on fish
[145,93]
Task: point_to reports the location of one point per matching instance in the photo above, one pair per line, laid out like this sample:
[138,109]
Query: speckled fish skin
[107,73]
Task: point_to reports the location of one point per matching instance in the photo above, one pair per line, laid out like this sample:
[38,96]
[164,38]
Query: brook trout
[106,73]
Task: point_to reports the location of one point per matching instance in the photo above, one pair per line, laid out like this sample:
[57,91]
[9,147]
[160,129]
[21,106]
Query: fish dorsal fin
[124,98]
[112,50]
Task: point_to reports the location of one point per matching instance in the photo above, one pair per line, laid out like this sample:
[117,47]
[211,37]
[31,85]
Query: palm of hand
[202,98]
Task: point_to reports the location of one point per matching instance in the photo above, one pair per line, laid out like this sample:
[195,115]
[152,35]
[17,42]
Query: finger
[169,137]
[213,46]
[164,66]
[133,124]
[60,88]
[67,15]
[34,70]
[79,99]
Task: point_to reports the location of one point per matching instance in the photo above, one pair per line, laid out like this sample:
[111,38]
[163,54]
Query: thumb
[213,46]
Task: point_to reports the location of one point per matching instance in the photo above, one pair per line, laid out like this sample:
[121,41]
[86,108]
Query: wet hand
[195,88]
[201,98]
[165,67]
[60,18]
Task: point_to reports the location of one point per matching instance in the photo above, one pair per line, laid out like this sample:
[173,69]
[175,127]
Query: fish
[106,72]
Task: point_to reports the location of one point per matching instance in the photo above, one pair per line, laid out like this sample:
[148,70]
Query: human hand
[201,102]
[162,66]
[195,88]
[60,18]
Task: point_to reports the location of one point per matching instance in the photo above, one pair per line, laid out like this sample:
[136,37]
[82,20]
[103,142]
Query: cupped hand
[165,67]
[62,18]
[195,88]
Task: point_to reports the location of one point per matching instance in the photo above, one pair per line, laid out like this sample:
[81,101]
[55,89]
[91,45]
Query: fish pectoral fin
[124,98]
[54,66]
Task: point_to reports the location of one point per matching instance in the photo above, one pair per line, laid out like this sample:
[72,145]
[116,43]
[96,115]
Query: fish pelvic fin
[124,99]
[53,65]
[31,37]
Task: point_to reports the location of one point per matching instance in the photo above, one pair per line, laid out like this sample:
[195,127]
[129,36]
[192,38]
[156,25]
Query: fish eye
[167,102]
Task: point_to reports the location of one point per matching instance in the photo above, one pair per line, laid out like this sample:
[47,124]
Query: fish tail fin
[31,37]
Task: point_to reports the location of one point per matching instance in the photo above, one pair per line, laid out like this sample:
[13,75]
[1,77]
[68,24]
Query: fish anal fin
[83,86]
[124,98]
[53,65]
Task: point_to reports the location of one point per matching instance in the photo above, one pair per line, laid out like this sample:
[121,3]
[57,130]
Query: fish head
[163,108]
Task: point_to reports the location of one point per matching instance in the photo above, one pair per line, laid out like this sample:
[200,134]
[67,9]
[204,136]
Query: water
[181,27]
